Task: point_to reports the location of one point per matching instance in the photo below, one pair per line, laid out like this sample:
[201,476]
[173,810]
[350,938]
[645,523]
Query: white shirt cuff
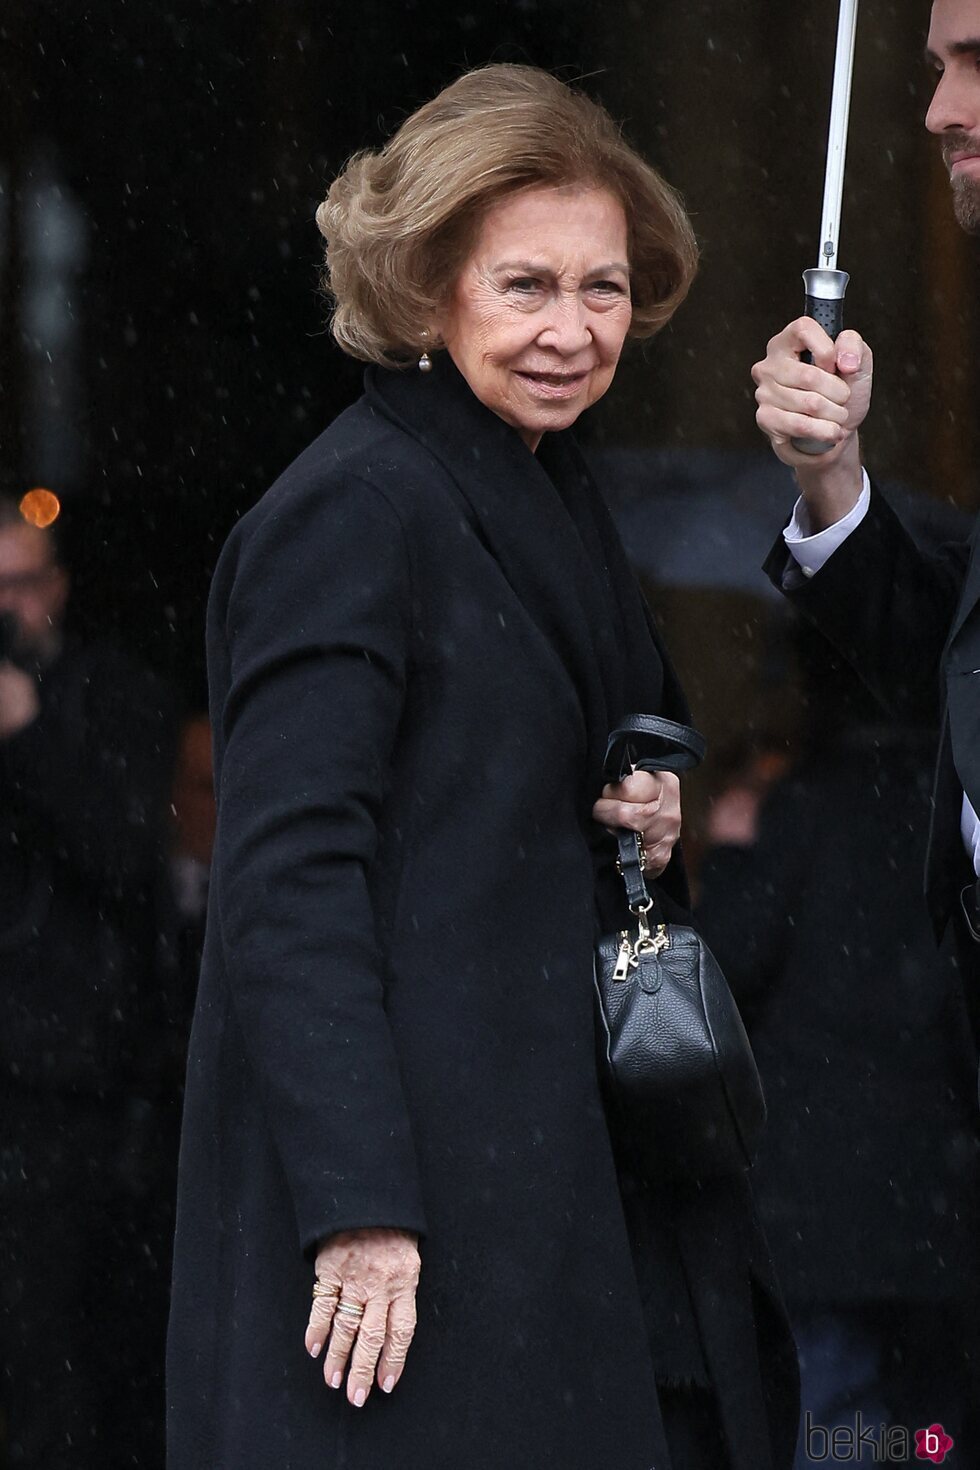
[970,831]
[813,551]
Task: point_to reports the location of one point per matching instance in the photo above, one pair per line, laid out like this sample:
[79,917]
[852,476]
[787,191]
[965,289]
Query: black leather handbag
[679,1065]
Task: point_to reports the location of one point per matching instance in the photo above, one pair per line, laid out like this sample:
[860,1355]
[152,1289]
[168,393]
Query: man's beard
[966,204]
[966,189]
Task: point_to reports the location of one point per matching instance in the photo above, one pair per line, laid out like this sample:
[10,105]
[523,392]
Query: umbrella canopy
[707,518]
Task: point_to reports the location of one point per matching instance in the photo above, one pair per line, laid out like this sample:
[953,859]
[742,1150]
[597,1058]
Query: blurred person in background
[85,762]
[405,1238]
[867,1177]
[741,774]
[906,620]
[192,847]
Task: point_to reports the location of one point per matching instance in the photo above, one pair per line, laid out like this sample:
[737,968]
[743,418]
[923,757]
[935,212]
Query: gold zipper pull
[623,959]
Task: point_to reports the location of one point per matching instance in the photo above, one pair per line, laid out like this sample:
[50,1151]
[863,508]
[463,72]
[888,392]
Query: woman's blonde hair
[399,223]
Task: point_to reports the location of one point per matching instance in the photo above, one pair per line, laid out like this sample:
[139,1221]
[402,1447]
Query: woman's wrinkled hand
[648,802]
[377,1270]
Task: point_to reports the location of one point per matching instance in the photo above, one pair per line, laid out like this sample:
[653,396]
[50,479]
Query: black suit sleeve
[313,607]
[885,605]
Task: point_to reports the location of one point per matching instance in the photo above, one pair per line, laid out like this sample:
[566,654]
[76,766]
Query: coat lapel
[947,867]
[964,636]
[958,764]
[526,519]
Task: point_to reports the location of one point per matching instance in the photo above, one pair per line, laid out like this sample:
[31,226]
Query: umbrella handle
[825,304]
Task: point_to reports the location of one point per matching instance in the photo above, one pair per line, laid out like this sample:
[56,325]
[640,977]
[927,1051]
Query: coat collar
[969,596]
[541,518]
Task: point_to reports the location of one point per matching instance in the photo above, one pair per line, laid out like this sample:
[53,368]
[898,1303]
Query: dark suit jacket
[910,625]
[418,643]
[857,1027]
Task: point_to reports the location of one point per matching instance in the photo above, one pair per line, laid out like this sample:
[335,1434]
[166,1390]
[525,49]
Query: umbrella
[705,518]
[825,285]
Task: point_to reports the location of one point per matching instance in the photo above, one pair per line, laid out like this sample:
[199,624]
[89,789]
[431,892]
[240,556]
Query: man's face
[953,49]
[33,589]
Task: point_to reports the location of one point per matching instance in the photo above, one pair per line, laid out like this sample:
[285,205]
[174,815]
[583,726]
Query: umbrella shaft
[840,109]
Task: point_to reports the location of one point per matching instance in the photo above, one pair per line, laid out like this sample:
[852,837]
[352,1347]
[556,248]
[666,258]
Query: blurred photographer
[85,759]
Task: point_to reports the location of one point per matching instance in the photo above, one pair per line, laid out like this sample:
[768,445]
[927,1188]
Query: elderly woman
[419,641]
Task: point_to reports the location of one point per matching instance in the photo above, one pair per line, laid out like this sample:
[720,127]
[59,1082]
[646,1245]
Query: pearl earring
[425,363]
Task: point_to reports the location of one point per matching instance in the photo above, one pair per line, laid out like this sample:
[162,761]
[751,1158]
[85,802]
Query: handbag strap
[650,743]
[646,743]
[631,867]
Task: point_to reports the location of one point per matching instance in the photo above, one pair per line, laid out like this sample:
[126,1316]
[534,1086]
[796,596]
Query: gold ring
[320,1289]
[350,1309]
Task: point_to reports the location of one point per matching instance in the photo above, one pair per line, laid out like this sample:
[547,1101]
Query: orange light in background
[40,508]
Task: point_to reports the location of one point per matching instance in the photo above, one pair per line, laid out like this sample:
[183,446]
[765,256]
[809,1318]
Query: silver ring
[350,1309]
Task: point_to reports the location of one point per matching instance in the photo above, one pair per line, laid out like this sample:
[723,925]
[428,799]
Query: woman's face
[541,308]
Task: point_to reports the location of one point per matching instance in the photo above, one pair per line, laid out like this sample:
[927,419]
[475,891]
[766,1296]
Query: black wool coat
[417,649]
